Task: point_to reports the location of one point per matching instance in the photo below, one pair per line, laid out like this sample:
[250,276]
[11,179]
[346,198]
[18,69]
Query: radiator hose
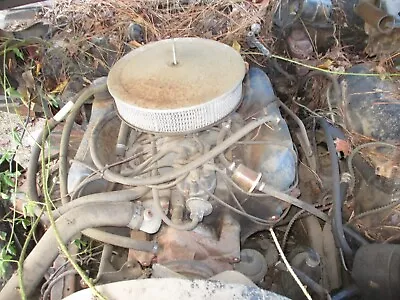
[68,225]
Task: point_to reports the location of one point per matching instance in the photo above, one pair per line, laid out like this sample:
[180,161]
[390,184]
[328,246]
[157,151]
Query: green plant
[7,183]
[6,255]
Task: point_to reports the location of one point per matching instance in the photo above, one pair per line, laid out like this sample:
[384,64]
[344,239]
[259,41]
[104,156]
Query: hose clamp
[137,216]
[346,178]
[155,248]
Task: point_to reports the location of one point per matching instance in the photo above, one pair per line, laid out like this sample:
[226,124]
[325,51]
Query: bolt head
[235,259]
[148,214]
[256,28]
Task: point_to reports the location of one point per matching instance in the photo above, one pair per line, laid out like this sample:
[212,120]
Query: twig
[288,266]
[21,259]
[334,72]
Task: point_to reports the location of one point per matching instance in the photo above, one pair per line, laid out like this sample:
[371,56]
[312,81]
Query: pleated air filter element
[177,85]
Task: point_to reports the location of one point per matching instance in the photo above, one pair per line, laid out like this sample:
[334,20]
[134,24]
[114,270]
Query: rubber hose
[122,140]
[42,256]
[37,147]
[33,166]
[350,232]
[331,258]
[154,180]
[314,286]
[337,192]
[98,85]
[104,197]
[347,294]
[119,240]
[303,130]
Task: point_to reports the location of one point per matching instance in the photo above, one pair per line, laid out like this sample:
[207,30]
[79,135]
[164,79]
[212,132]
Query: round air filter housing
[177,85]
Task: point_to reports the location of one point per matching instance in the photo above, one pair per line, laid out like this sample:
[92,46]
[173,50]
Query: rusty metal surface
[384,36]
[144,258]
[375,17]
[213,249]
[147,78]
[299,44]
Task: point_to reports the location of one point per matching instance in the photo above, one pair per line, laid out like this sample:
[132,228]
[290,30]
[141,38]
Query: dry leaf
[29,80]
[343,146]
[60,87]
[135,44]
[38,68]
[236,46]
[326,65]
[382,71]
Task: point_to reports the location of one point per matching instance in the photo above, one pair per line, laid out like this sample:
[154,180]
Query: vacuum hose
[337,192]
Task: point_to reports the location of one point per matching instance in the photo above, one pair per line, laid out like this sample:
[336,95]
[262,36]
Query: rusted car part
[316,12]
[201,175]
[322,23]
[381,21]
[375,17]
[370,108]
[370,105]
[299,44]
[217,249]
[370,114]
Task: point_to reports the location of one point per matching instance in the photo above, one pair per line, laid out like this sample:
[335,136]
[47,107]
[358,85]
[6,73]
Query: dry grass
[221,20]
[89,36]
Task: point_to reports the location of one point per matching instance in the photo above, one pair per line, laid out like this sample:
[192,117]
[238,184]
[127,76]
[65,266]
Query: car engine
[189,173]
[194,178]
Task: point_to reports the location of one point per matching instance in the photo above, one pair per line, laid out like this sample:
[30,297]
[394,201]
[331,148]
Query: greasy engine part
[306,263]
[376,271]
[370,105]
[198,192]
[380,19]
[213,248]
[375,17]
[272,153]
[370,110]
[252,264]
[370,115]
[315,12]
[319,24]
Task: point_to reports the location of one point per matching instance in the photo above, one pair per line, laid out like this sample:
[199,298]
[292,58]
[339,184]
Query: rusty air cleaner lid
[177,85]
